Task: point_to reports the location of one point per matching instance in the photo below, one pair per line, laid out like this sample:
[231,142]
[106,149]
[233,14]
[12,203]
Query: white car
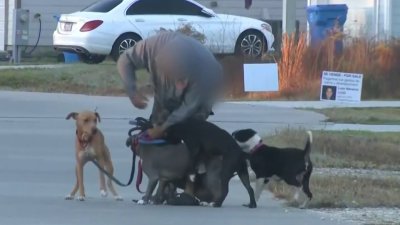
[108,27]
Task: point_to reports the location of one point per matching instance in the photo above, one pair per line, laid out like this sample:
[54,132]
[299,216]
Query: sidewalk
[320,104]
[49,66]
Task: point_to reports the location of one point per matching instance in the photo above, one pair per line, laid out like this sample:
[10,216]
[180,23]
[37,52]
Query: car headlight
[267,27]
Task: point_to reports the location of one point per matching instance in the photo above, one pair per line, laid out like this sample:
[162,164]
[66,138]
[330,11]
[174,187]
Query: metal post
[15,57]
[20,35]
[289,16]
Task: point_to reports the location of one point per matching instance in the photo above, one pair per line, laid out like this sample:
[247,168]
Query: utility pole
[289,16]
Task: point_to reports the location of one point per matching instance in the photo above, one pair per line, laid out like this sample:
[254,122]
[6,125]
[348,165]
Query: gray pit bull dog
[167,164]
[172,165]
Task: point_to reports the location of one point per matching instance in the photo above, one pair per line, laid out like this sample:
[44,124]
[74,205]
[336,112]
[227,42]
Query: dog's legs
[226,174]
[79,171]
[189,186]
[296,196]
[103,188]
[260,186]
[159,198]
[151,185]
[306,188]
[110,169]
[243,174]
[75,189]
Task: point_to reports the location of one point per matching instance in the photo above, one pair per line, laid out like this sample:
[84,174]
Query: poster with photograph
[341,87]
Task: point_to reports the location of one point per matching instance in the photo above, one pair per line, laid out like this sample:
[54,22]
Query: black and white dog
[289,164]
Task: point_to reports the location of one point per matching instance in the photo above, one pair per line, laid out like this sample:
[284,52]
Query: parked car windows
[102,6]
[150,7]
[186,8]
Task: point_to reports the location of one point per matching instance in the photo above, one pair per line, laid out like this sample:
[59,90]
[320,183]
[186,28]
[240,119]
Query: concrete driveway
[37,166]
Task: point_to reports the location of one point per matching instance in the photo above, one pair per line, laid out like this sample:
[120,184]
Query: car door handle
[139,20]
[182,19]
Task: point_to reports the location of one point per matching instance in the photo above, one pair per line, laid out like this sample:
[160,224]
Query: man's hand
[139,101]
[156,132]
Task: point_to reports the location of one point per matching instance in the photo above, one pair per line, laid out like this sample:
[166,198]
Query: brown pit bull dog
[90,145]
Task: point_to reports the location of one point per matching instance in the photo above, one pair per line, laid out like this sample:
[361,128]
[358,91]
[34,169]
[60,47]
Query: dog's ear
[98,116]
[73,115]
[234,133]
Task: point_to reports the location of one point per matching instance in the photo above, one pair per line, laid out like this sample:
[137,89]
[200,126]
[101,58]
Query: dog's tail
[307,149]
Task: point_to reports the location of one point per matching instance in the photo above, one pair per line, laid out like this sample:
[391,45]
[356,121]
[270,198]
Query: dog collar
[257,147]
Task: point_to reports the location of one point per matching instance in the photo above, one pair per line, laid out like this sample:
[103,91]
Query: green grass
[101,79]
[345,149]
[384,115]
[344,192]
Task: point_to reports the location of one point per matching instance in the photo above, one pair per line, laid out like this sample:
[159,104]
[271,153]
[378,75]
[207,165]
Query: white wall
[260,9]
[11,6]
[395,18]
[48,9]
[2,24]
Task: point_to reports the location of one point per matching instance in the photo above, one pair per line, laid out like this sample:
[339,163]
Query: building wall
[48,9]
[2,24]
[11,6]
[261,9]
[395,18]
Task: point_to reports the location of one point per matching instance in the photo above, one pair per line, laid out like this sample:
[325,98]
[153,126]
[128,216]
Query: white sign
[341,87]
[261,77]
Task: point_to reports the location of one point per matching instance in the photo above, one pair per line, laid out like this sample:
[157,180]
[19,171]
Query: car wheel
[251,44]
[122,43]
[92,59]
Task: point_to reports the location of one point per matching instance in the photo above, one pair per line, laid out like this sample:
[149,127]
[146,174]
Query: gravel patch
[363,173]
[364,216]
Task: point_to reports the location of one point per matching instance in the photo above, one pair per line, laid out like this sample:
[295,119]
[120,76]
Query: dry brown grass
[378,115]
[300,67]
[345,149]
[344,192]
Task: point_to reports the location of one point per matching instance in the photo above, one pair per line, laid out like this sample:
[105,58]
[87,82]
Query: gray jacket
[186,76]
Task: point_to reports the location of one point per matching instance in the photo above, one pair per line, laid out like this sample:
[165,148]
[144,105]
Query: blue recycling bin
[324,19]
[70,57]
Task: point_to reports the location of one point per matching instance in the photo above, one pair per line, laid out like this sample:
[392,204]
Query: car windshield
[102,6]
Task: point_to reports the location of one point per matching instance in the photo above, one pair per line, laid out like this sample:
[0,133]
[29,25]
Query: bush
[188,30]
[301,66]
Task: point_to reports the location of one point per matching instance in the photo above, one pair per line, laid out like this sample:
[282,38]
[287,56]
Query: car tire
[251,44]
[122,43]
[92,58]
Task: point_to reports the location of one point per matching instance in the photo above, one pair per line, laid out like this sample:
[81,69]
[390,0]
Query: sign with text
[341,87]
[261,77]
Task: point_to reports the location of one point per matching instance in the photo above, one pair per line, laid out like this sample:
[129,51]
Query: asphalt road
[37,166]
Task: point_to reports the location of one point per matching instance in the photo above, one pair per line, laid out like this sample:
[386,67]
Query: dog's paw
[204,204]
[69,197]
[141,202]
[81,198]
[304,205]
[250,205]
[215,205]
[118,198]
[103,193]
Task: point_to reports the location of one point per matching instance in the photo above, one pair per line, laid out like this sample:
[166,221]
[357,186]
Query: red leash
[139,177]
